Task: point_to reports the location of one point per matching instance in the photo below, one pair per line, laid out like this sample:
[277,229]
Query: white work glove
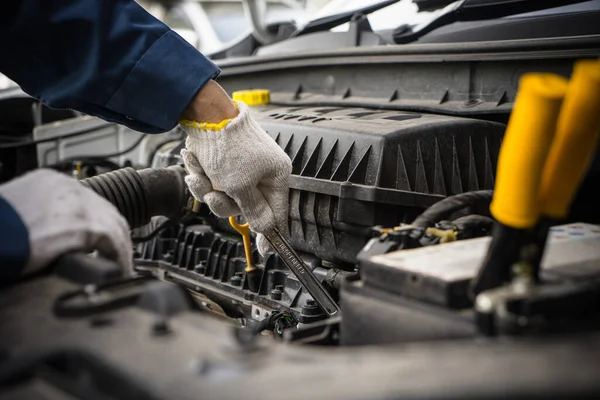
[240,170]
[62,216]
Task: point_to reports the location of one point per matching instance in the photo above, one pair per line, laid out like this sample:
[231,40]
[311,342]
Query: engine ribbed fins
[181,253]
[445,97]
[310,168]
[297,158]
[224,261]
[217,271]
[278,138]
[192,251]
[341,172]
[222,255]
[295,217]
[288,145]
[439,187]
[332,210]
[312,215]
[473,180]
[153,249]
[179,250]
[359,173]
[298,92]
[503,99]
[188,250]
[455,182]
[181,235]
[402,181]
[421,184]
[213,258]
[302,200]
[324,216]
[324,171]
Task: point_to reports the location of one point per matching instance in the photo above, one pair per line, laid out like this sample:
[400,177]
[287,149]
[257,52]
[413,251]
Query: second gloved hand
[239,170]
[62,216]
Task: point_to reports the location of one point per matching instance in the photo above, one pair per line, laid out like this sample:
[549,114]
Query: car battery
[424,293]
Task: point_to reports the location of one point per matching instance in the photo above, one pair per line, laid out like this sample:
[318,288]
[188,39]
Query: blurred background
[215,25]
[226,28]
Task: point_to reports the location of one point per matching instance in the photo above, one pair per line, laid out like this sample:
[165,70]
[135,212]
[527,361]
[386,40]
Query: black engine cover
[354,168]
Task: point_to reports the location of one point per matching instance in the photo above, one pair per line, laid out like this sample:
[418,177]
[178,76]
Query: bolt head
[276,294]
[200,268]
[236,280]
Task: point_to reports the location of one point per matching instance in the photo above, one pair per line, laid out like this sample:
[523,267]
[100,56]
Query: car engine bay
[395,155]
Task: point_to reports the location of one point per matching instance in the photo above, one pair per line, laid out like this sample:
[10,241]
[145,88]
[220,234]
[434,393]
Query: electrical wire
[438,212]
[452,204]
[121,152]
[165,224]
[276,322]
[473,221]
[32,142]
[158,147]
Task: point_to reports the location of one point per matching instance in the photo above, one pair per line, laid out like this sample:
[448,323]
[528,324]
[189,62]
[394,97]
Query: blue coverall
[107,58]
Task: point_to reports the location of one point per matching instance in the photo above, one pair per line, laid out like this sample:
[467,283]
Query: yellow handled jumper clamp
[549,142]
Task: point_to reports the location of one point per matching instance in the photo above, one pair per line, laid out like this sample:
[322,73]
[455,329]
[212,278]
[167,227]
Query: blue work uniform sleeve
[107,58]
[14,243]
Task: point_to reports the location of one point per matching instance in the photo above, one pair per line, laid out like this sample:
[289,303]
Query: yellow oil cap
[253,97]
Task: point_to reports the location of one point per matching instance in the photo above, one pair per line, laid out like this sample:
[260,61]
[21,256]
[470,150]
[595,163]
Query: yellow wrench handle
[576,139]
[244,230]
[525,148]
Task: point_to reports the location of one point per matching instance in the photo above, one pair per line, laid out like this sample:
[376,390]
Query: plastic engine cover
[354,168]
[357,168]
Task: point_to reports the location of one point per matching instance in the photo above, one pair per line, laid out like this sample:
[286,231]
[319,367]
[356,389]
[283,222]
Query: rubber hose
[474,221]
[141,195]
[452,204]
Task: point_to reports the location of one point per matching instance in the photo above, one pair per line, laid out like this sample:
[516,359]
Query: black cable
[121,152]
[276,322]
[450,205]
[474,221]
[158,146]
[264,324]
[165,224]
[31,142]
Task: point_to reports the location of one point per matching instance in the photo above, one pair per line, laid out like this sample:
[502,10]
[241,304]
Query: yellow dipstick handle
[524,149]
[244,230]
[576,139]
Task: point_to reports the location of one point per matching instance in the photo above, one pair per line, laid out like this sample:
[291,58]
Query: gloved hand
[63,216]
[239,170]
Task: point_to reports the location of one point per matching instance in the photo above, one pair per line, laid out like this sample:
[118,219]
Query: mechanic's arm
[108,58]
[111,59]
[44,214]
